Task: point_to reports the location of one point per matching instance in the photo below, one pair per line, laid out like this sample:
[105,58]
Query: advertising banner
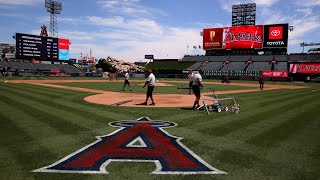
[63,54]
[212,38]
[243,37]
[64,44]
[305,68]
[276,35]
[275,73]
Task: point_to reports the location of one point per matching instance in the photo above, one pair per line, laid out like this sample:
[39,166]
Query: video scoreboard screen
[246,37]
[244,14]
[41,48]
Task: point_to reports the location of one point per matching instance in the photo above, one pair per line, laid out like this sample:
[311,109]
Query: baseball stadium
[63,118]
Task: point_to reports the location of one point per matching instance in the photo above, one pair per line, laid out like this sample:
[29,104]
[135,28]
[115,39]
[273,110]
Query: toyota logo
[275,33]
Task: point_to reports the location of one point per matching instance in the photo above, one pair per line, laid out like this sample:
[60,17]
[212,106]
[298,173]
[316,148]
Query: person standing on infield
[196,84]
[126,81]
[150,82]
[261,82]
[190,77]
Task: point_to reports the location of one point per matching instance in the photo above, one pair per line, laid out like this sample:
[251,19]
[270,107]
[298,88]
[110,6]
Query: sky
[129,29]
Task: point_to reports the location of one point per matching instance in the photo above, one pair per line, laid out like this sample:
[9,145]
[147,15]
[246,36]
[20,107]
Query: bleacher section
[304,57]
[213,66]
[234,66]
[259,66]
[281,66]
[195,59]
[239,63]
[235,58]
[195,66]
[68,68]
[21,65]
[4,64]
[45,67]
[79,66]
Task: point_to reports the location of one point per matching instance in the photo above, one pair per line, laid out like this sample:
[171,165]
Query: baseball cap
[149,70]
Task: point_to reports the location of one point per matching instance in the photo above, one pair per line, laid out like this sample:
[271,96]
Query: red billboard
[305,68]
[246,37]
[243,37]
[63,44]
[275,73]
[212,38]
[276,32]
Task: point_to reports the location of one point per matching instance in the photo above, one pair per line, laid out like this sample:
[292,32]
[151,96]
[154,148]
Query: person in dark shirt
[261,82]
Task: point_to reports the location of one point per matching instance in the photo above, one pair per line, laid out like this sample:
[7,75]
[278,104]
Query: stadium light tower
[54,8]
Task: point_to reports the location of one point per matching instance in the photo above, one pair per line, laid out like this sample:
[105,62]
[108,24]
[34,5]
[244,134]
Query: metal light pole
[54,8]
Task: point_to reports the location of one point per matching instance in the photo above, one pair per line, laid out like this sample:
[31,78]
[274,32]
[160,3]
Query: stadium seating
[21,65]
[304,57]
[195,66]
[4,64]
[45,67]
[195,59]
[259,66]
[281,66]
[68,68]
[234,66]
[214,66]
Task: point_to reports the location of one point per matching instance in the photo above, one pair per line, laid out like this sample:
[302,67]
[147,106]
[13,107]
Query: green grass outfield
[275,136]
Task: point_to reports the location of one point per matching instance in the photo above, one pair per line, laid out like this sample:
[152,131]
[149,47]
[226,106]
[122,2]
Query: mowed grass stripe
[75,99]
[285,129]
[72,117]
[26,148]
[220,119]
[62,104]
[297,149]
[278,118]
[39,131]
[199,119]
[52,90]
[75,102]
[41,113]
[259,114]
[46,136]
[10,133]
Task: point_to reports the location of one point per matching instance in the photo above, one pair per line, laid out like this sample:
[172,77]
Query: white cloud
[172,44]
[19,2]
[140,27]
[46,19]
[265,2]
[308,3]
[305,11]
[304,21]
[128,7]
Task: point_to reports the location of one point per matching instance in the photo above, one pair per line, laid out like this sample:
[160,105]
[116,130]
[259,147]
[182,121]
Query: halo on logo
[275,33]
[212,35]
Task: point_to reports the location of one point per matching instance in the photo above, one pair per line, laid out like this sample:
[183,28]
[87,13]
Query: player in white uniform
[150,82]
[190,77]
[197,83]
[126,81]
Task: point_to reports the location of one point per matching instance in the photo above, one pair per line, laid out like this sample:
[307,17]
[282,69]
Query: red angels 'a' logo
[141,140]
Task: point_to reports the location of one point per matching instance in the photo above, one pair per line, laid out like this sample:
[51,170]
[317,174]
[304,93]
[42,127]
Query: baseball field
[275,135]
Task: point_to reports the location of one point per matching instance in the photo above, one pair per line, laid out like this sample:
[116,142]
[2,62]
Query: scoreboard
[41,48]
[244,14]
